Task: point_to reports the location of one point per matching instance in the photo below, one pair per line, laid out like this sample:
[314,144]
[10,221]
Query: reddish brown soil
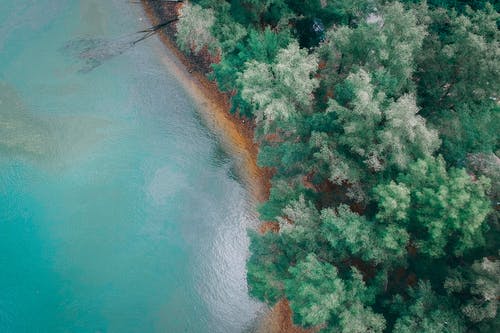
[236,129]
[279,320]
[269,226]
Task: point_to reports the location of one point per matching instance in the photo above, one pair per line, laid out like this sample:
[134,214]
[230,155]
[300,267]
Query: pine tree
[447,209]
[194,29]
[280,90]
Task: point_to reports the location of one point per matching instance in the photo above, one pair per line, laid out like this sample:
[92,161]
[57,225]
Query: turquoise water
[119,211]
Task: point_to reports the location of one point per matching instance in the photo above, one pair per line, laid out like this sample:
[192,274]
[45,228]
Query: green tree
[280,90]
[459,78]
[262,46]
[426,312]
[371,135]
[351,235]
[375,233]
[384,45]
[258,11]
[329,11]
[266,267]
[299,219]
[481,284]
[194,29]
[447,209]
[318,295]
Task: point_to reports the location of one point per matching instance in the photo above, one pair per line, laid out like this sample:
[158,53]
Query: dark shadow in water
[93,51]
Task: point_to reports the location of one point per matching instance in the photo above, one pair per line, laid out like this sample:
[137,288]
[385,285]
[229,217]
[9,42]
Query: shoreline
[236,136]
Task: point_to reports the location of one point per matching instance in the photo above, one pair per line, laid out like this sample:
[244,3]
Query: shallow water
[119,210]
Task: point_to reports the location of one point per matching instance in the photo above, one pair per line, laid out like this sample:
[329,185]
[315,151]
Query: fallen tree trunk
[153,30]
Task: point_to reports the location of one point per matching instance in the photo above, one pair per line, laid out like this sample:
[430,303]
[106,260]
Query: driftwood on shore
[153,30]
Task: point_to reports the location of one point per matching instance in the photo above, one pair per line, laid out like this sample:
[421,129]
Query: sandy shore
[236,136]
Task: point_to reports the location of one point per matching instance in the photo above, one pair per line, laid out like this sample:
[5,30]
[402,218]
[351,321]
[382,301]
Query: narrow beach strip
[236,136]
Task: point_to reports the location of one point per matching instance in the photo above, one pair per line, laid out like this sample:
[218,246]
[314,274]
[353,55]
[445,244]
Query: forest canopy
[380,121]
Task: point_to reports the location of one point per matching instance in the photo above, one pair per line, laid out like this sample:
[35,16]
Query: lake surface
[119,210]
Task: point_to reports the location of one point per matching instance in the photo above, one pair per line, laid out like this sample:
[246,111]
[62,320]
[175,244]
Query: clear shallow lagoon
[119,211]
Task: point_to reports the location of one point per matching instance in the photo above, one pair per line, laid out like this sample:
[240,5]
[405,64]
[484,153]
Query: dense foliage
[380,120]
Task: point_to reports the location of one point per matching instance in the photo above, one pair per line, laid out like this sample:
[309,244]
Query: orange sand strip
[214,106]
[237,138]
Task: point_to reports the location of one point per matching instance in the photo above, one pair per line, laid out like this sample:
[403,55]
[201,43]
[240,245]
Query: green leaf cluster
[383,142]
